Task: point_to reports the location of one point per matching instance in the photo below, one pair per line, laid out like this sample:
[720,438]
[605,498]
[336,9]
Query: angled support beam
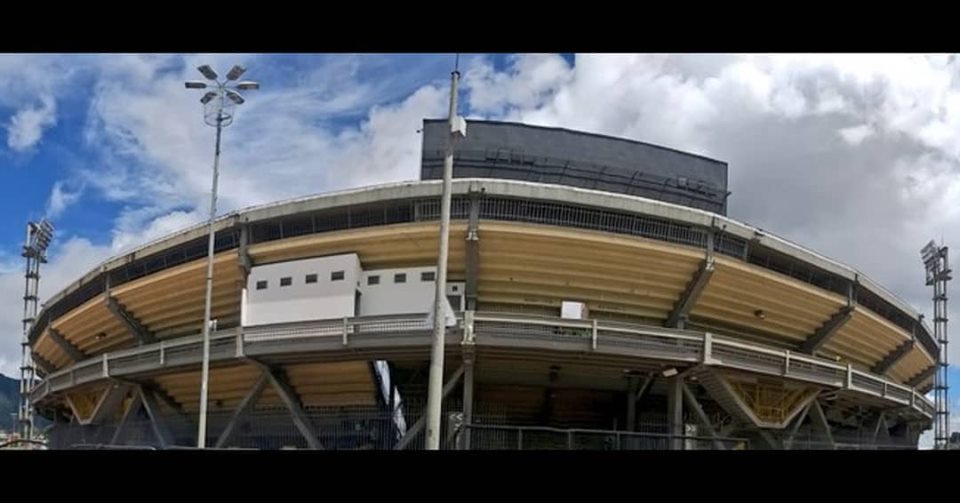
[788,441]
[421,423]
[292,402]
[135,403]
[71,350]
[691,401]
[245,405]
[152,406]
[106,403]
[770,439]
[111,399]
[828,329]
[891,359]
[43,364]
[922,376]
[167,400]
[133,325]
[681,310]
[801,408]
[645,387]
[820,420]
[883,429]
[880,428]
[472,251]
[727,397]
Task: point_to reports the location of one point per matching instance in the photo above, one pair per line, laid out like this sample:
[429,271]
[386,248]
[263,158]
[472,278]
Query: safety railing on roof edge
[589,335]
[497,207]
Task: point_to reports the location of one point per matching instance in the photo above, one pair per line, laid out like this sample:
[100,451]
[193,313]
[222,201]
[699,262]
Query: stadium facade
[599,298]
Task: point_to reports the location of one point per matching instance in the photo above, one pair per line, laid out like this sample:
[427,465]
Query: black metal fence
[370,428]
[523,438]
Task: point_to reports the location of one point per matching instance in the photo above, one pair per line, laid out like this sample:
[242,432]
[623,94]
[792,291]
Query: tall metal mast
[938,274]
[34,251]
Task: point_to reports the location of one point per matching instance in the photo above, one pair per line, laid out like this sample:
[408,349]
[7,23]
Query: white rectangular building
[336,287]
[311,289]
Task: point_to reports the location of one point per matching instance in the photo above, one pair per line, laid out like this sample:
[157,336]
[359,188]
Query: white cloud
[60,198]
[856,134]
[26,127]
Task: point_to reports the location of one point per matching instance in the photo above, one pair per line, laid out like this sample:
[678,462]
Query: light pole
[218,112]
[435,382]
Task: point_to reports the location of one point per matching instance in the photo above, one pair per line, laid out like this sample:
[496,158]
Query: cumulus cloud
[27,125]
[60,198]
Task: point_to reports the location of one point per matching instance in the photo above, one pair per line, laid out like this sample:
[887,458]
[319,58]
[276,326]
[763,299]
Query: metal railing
[495,207]
[383,333]
[522,438]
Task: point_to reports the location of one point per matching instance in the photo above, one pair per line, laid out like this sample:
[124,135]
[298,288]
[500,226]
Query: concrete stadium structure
[580,318]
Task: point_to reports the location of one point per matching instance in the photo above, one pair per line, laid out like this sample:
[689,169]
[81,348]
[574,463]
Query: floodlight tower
[938,274]
[39,235]
[219,105]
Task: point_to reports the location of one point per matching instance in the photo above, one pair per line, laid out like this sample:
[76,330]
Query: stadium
[600,298]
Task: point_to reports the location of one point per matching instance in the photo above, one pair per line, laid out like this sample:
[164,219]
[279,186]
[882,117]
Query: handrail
[710,348]
[111,447]
[534,193]
[571,432]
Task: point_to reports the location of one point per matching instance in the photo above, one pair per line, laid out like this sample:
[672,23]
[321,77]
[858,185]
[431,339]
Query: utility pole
[435,388]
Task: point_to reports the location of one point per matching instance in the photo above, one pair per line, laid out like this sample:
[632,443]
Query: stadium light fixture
[236,72]
[235,97]
[219,107]
[207,72]
[248,85]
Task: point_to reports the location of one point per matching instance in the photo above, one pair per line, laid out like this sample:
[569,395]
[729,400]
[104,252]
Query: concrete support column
[468,364]
[632,387]
[472,252]
[675,411]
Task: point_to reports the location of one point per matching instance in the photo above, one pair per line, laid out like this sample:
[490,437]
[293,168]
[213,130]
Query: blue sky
[854,156]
